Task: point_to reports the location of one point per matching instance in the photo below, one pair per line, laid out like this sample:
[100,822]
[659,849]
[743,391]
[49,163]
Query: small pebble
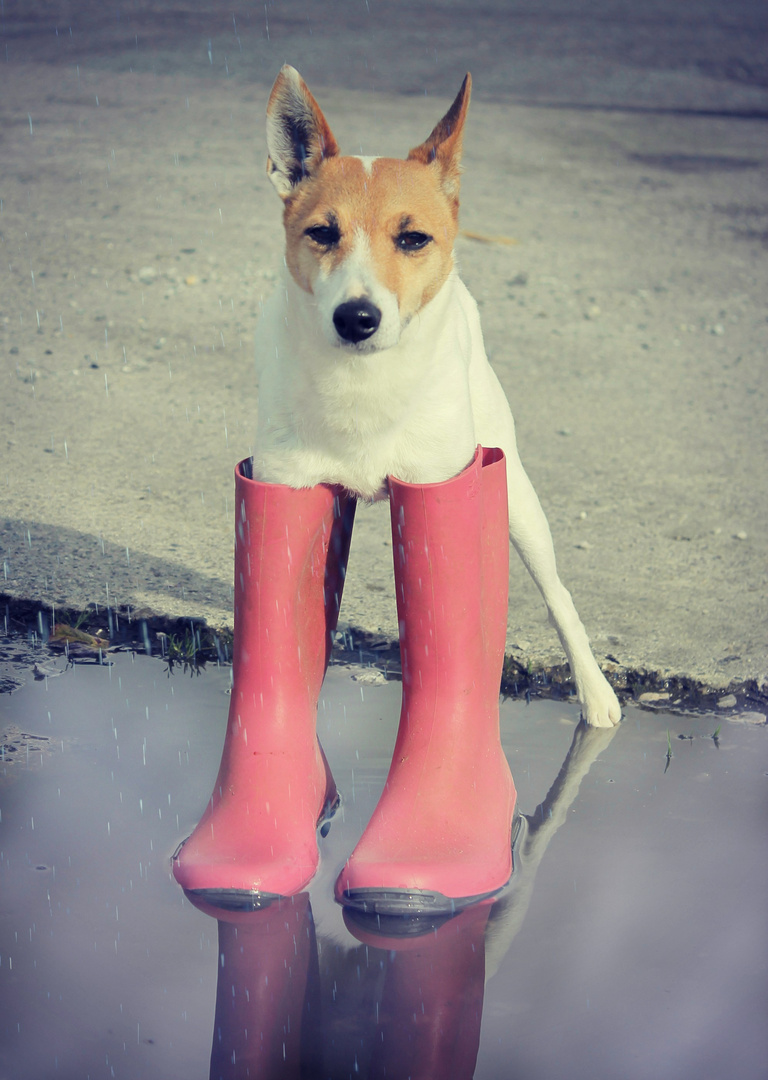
[46,671]
[728,702]
[370,677]
[147,275]
[741,535]
[649,698]
[747,718]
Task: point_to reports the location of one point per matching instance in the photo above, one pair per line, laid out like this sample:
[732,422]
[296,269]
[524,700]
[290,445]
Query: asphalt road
[694,55]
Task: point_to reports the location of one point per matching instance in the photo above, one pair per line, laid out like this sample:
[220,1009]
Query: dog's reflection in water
[405,1002]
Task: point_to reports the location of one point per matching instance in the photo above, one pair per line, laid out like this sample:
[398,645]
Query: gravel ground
[617,173]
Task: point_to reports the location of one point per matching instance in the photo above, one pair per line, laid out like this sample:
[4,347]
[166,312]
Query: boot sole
[414,902]
[233,899]
[420,902]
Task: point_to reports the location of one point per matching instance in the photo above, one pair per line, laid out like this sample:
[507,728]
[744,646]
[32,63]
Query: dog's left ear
[444,144]
[298,136]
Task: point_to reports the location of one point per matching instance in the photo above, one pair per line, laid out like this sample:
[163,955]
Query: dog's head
[371,239]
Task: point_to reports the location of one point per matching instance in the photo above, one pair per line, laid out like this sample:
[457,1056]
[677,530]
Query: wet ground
[630,943]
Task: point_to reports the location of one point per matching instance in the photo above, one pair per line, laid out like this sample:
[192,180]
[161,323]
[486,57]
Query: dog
[370,353]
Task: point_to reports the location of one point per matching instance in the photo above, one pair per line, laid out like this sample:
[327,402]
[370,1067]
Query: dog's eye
[413,240]
[324,235]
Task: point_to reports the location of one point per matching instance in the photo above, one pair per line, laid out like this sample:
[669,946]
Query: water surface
[631,942]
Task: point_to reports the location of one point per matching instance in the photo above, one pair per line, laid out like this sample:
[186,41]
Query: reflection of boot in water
[258,832]
[432,1001]
[262,995]
[439,837]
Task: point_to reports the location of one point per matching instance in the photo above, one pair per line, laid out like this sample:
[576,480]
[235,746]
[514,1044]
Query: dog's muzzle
[356,320]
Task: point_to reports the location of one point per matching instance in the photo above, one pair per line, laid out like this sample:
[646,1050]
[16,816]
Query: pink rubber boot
[258,833]
[440,836]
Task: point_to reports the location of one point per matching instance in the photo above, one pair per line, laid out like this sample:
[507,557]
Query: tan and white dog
[370,353]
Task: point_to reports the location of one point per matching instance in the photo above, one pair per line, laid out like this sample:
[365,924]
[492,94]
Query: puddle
[631,942]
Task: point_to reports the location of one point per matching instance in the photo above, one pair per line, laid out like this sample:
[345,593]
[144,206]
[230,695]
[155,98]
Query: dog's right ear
[298,136]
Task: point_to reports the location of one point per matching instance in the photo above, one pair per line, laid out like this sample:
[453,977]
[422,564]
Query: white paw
[599,705]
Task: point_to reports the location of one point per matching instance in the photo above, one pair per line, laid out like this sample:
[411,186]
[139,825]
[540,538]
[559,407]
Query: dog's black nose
[356,320]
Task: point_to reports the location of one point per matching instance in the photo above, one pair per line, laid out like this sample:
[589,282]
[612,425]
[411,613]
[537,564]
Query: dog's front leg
[529,532]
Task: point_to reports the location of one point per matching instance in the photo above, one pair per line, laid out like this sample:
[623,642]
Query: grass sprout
[669,750]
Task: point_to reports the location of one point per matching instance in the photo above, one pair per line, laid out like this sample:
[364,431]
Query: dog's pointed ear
[444,144]
[298,136]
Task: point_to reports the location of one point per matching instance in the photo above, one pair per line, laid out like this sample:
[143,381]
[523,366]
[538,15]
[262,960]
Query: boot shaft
[291,548]
[451,555]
